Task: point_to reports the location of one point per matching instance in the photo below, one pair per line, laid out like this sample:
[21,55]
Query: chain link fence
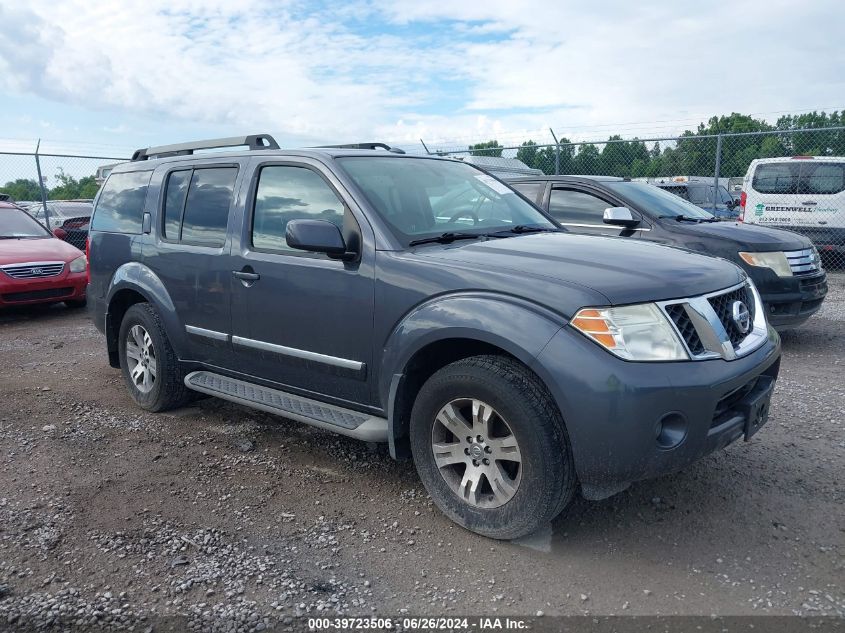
[56,189]
[785,179]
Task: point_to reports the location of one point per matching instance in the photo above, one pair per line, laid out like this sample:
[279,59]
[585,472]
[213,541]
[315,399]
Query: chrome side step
[325,416]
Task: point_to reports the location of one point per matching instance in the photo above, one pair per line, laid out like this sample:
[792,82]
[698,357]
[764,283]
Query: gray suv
[421,302]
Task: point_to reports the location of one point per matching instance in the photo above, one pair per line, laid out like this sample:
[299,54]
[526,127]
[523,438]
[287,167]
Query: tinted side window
[776,178]
[290,193]
[176,191]
[207,207]
[528,189]
[120,206]
[697,195]
[577,207]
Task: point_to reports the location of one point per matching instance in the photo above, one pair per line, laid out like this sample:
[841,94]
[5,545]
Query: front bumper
[614,410]
[66,286]
[789,301]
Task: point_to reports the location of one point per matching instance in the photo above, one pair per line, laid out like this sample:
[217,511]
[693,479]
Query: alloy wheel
[476,453]
[141,358]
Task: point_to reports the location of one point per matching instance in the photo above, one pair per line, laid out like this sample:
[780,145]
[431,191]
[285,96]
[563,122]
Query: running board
[325,416]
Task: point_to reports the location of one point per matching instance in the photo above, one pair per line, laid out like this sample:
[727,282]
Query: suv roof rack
[395,150]
[253,141]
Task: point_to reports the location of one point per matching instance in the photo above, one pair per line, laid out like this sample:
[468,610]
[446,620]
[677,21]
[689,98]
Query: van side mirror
[317,236]
[620,216]
[60,233]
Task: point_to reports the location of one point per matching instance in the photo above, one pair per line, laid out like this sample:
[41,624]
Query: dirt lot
[237,519]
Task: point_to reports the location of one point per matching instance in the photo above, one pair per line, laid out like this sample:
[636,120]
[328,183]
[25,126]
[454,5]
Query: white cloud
[427,68]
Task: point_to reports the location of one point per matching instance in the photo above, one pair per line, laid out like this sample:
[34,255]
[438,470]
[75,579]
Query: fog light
[670,430]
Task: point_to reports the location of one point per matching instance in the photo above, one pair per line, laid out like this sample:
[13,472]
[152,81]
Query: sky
[107,77]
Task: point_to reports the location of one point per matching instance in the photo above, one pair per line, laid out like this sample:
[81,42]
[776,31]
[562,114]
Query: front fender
[137,277]
[518,327]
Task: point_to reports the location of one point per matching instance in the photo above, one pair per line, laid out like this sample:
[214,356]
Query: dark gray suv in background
[348,288]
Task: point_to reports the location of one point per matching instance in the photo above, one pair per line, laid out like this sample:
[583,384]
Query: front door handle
[247,276]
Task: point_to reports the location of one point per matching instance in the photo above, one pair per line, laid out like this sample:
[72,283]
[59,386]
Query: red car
[35,266]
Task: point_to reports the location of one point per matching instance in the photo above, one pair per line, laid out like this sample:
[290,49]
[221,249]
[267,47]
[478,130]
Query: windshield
[16,223]
[420,197]
[657,201]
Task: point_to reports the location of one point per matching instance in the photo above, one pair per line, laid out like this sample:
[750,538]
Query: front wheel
[148,362]
[490,447]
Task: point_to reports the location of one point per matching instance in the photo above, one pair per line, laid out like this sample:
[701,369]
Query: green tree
[22,189]
[490,148]
[527,153]
[587,160]
[69,188]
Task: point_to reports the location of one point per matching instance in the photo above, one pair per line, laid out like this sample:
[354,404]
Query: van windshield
[654,200]
[422,197]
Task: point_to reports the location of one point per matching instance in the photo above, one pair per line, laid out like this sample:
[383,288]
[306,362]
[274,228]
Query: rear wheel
[148,362]
[490,447]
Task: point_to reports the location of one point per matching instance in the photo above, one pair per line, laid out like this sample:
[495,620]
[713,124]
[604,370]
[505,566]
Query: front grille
[33,270]
[681,319]
[810,284]
[35,295]
[723,306]
[803,262]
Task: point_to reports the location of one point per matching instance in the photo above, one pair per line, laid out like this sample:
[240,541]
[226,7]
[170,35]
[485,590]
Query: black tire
[168,389]
[76,303]
[547,481]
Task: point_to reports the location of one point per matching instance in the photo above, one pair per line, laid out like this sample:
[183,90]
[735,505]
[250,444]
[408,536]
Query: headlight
[638,332]
[79,264]
[775,260]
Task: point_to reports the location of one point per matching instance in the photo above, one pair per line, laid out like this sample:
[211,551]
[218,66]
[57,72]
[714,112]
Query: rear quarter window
[120,207]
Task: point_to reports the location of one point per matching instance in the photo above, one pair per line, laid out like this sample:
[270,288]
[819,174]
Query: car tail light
[88,257]
[743,197]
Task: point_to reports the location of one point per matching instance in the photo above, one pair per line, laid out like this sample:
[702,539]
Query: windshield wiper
[683,218]
[445,238]
[521,229]
[527,228]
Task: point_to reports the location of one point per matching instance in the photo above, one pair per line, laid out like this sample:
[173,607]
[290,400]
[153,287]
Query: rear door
[581,210]
[192,252]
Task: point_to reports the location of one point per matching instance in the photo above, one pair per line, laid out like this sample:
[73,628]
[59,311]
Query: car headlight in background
[638,332]
[79,264]
[775,260]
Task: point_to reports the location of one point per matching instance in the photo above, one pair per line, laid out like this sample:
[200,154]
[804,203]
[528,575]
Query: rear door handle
[245,276]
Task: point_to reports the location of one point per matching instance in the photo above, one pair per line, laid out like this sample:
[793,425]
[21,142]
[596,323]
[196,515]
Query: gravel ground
[234,520]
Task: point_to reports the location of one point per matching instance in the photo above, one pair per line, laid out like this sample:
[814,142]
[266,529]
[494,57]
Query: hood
[49,249]
[623,270]
[747,237]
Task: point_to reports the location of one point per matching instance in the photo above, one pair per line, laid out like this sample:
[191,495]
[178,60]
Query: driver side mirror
[317,236]
[620,216]
[60,233]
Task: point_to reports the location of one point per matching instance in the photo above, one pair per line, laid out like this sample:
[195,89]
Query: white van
[805,194]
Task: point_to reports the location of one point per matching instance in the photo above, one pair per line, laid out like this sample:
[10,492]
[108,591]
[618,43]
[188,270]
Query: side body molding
[519,327]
